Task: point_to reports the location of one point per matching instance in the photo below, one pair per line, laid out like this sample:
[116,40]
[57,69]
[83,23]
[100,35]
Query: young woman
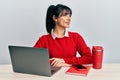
[63,45]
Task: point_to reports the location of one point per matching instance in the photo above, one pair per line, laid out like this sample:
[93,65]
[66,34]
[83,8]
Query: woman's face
[63,20]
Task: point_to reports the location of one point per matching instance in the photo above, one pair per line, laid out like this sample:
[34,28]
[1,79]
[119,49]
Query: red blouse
[66,48]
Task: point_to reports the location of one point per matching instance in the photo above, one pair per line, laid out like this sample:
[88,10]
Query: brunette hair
[55,11]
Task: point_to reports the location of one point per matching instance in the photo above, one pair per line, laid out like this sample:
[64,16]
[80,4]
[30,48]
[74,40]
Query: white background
[22,22]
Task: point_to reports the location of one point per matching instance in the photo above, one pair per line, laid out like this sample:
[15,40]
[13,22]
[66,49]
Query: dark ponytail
[55,11]
[50,24]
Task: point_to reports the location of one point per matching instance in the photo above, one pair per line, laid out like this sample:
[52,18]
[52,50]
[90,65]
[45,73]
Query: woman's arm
[83,50]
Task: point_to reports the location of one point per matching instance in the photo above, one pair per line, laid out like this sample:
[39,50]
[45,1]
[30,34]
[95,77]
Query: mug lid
[97,47]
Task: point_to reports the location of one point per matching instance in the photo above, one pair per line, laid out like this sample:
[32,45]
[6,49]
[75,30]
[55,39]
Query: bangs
[66,12]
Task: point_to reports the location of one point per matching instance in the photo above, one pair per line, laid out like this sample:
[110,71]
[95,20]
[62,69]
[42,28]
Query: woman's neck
[59,31]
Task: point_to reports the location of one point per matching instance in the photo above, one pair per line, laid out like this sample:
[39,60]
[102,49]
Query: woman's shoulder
[73,33]
[45,36]
[75,36]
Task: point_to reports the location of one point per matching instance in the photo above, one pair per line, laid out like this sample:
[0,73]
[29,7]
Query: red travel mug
[97,56]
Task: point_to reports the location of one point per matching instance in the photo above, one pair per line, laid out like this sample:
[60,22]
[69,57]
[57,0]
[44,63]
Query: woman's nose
[68,17]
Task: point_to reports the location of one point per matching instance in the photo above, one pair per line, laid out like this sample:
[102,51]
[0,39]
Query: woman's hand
[58,62]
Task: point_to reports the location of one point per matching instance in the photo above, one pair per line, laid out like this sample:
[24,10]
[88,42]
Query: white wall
[98,21]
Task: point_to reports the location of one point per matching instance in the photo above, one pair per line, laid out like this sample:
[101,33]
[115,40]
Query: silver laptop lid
[30,60]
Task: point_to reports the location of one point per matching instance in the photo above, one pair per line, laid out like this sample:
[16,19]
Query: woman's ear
[54,18]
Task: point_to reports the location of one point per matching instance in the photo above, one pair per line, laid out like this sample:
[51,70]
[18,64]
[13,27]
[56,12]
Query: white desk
[108,72]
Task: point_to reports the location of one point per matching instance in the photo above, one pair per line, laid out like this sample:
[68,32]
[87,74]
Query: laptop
[31,60]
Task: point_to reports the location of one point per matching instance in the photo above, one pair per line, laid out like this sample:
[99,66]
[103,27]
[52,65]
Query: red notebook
[82,72]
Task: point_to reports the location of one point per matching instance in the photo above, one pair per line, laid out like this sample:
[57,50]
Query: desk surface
[108,72]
